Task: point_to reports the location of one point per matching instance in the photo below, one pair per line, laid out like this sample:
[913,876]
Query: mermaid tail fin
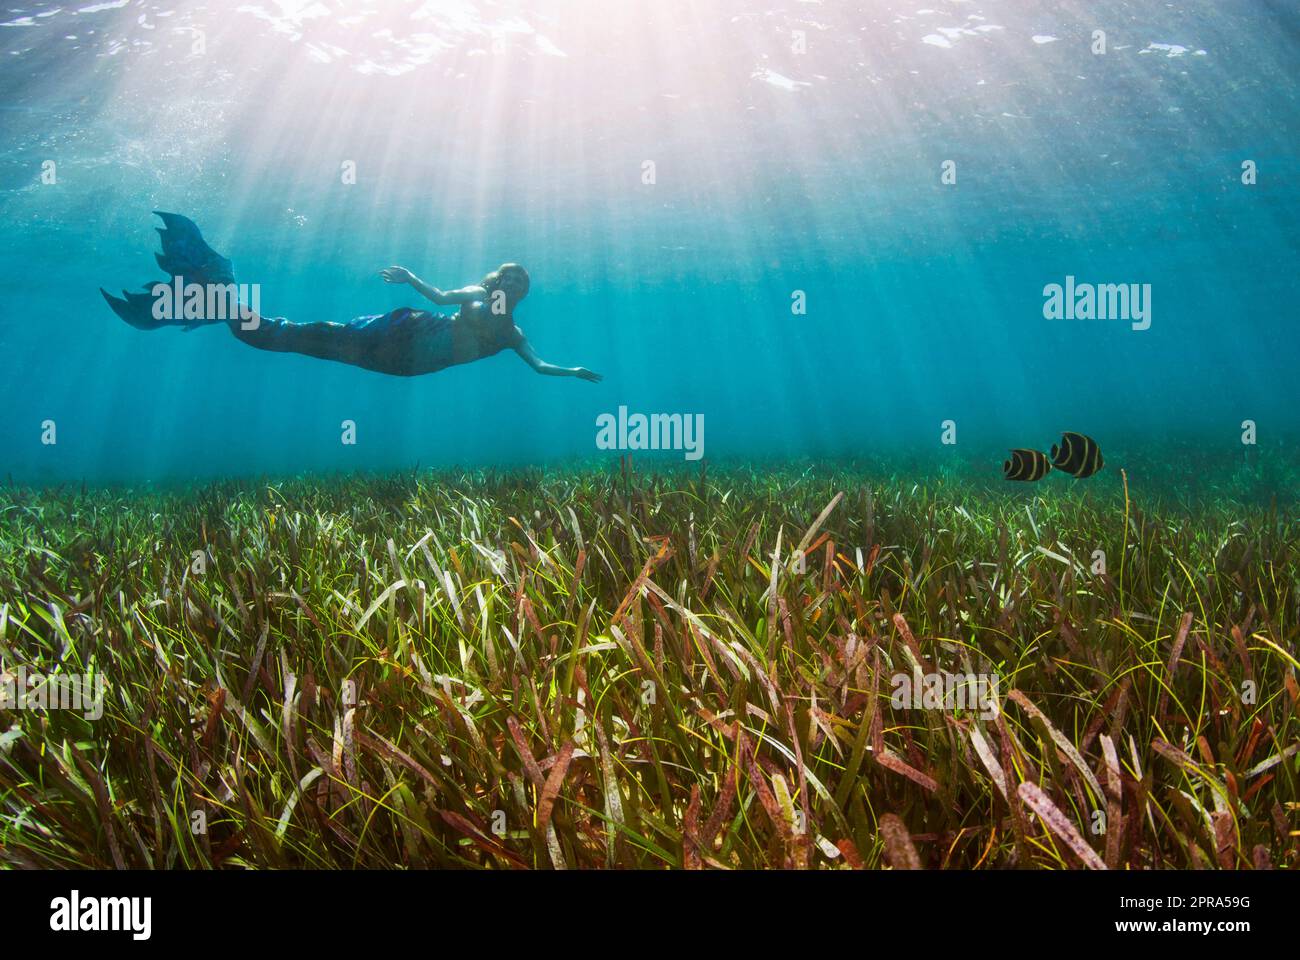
[185,256]
[136,309]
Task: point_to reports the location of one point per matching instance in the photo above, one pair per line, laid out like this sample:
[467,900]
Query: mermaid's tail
[185,256]
[202,290]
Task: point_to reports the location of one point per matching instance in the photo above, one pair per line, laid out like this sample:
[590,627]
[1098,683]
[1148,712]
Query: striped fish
[1026,465]
[1077,455]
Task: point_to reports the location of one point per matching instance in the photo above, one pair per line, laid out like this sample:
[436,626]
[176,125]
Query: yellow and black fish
[1026,465]
[1077,455]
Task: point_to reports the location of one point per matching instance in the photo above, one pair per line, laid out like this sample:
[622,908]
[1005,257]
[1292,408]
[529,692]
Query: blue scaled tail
[185,255]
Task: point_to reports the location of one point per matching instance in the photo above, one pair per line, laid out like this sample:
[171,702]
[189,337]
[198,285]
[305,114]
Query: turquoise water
[488,132]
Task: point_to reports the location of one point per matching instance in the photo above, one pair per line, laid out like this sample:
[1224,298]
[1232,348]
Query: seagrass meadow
[614,666]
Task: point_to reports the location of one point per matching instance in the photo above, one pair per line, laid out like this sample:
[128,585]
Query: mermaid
[404,342]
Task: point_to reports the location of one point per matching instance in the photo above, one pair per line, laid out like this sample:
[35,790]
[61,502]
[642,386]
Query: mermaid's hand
[582,373]
[397,275]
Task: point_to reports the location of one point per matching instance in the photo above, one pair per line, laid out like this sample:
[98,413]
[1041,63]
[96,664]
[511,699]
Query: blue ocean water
[914,174]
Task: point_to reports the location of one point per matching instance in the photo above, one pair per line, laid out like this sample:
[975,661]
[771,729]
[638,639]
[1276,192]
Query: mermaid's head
[511,279]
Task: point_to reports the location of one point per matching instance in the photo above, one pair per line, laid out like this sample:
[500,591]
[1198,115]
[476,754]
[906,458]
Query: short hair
[493,280]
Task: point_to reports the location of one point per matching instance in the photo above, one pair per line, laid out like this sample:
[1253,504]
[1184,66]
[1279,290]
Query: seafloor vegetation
[601,668]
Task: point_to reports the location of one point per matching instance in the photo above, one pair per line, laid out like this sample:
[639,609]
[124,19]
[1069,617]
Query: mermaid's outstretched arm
[471,294]
[530,357]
